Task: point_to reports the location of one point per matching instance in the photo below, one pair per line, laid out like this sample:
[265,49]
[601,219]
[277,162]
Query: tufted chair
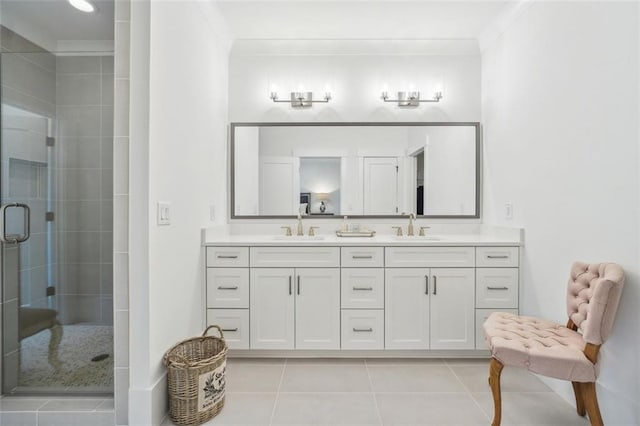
[568,353]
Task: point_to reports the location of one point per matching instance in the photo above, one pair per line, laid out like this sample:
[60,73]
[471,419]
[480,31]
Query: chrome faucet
[300,228]
[410,227]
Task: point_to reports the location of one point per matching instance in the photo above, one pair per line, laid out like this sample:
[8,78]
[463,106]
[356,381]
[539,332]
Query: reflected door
[279,185]
[380,185]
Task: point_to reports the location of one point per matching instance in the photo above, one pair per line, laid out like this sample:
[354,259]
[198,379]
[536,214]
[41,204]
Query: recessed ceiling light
[83,5]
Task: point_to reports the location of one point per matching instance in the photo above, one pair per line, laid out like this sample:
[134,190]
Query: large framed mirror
[380,170]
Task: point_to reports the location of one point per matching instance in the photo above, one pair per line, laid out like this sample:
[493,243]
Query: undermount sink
[415,238]
[299,238]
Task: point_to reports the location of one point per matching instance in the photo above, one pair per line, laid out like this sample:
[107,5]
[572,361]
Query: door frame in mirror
[478,163]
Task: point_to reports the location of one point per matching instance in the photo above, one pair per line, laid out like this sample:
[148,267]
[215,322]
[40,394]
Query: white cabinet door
[452,308]
[272,308]
[407,308]
[380,185]
[317,308]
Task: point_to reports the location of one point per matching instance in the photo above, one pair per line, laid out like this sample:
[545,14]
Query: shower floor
[78,373]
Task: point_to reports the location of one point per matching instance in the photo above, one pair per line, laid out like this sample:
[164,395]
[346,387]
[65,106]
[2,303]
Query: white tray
[355,234]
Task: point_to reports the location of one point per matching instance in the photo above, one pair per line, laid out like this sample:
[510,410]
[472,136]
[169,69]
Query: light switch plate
[164,213]
[508,211]
[212,213]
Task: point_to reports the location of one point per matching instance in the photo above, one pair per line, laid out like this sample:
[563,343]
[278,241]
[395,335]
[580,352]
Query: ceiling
[55,23]
[361,20]
[58,27]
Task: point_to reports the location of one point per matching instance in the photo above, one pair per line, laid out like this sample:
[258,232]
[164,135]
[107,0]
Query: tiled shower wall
[121,211]
[84,159]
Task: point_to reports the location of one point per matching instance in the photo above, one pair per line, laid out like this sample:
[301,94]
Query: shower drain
[100,357]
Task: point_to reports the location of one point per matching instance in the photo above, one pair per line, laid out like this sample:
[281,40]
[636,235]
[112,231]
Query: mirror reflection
[325,170]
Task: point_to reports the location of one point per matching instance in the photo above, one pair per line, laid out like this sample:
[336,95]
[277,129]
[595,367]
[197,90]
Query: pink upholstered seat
[543,347]
[551,349]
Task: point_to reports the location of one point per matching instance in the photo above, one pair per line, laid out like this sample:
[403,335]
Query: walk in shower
[56,220]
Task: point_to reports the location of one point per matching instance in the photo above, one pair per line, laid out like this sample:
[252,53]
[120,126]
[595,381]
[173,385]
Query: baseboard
[149,406]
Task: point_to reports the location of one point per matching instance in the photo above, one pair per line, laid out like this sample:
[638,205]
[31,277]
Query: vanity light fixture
[301,99]
[410,99]
[83,5]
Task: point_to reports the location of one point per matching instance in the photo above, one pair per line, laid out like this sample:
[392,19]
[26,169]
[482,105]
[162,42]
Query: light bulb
[83,5]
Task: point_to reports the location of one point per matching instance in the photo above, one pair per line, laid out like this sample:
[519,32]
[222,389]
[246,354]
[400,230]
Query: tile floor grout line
[375,399]
[468,392]
[275,402]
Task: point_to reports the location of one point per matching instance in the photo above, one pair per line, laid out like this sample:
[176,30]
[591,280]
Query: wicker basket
[196,370]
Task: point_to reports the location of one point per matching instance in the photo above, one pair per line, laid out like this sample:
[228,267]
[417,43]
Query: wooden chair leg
[577,390]
[495,368]
[591,403]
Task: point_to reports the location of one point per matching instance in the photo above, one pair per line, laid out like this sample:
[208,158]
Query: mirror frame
[478,133]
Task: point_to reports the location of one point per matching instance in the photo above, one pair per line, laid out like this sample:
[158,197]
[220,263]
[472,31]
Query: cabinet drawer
[362,288]
[497,288]
[227,287]
[292,257]
[362,329]
[497,257]
[362,257]
[481,317]
[228,257]
[429,257]
[234,324]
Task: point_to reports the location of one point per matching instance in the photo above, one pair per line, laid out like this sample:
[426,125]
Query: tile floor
[46,411]
[383,392]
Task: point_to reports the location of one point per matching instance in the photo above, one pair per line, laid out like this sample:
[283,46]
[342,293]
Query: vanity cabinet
[227,293]
[400,298]
[294,308]
[497,285]
[430,308]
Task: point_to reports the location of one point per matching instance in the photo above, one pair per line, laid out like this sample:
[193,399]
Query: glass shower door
[28,257]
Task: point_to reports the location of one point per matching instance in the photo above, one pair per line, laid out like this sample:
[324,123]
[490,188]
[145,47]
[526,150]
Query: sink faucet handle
[287,229]
[422,228]
[312,231]
[398,230]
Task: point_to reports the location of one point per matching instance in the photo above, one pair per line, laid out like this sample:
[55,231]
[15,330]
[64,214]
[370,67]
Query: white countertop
[378,240]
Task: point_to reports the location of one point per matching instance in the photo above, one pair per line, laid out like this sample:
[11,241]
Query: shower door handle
[3,224]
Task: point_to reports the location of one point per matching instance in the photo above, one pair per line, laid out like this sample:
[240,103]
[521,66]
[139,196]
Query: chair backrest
[593,295]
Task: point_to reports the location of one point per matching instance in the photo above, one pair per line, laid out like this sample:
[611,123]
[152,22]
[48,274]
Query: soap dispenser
[345,226]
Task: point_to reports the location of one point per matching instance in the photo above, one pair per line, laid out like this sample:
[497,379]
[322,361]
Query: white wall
[187,167]
[356,81]
[450,171]
[560,110]
[246,172]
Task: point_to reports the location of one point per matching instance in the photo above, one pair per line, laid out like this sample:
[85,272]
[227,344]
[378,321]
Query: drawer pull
[505,256]
[362,257]
[298,285]
[363,330]
[230,329]
[435,285]
[224,256]
[497,288]
[289,285]
[363,288]
[221,287]
[426,284]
